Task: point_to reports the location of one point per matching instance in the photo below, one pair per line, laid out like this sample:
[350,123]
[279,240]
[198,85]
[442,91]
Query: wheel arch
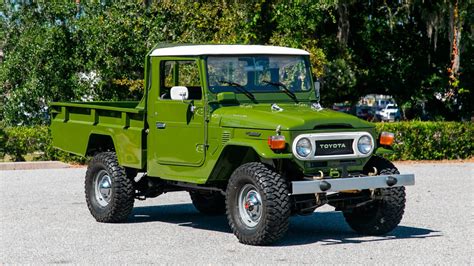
[99,143]
[231,157]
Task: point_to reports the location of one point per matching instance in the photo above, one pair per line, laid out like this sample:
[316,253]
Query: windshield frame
[307,66]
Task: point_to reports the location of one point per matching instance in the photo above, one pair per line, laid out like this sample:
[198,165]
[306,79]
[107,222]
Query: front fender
[260,147]
[384,150]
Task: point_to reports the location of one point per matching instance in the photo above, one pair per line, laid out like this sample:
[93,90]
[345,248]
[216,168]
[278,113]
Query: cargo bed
[122,123]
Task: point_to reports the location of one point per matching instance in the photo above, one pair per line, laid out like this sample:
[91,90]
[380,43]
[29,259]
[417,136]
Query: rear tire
[210,203]
[382,215]
[258,204]
[109,191]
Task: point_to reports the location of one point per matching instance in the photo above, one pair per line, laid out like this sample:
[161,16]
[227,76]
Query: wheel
[109,191]
[382,215]
[212,203]
[258,204]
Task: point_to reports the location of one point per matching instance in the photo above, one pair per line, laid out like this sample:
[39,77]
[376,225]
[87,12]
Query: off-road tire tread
[389,212]
[121,205]
[213,204]
[276,199]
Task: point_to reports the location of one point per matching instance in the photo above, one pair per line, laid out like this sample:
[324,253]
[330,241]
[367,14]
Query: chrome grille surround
[313,137]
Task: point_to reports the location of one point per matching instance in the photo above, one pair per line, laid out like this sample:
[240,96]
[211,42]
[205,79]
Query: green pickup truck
[241,129]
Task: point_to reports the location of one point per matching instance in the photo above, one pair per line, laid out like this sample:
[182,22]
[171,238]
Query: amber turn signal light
[386,138]
[277,142]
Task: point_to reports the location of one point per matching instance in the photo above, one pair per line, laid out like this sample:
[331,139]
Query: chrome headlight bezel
[303,147]
[365,144]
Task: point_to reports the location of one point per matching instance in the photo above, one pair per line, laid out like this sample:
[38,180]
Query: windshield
[259,73]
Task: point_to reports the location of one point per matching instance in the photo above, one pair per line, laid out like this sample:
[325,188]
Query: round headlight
[303,147]
[364,145]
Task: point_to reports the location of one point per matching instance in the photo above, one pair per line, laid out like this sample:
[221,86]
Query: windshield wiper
[239,88]
[283,87]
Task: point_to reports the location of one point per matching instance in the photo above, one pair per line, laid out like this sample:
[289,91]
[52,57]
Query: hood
[292,117]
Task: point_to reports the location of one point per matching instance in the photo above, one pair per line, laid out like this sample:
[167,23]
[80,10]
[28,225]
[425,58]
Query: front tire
[109,191]
[258,204]
[382,215]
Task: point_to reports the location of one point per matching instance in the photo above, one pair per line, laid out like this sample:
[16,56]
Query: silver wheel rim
[250,206]
[103,188]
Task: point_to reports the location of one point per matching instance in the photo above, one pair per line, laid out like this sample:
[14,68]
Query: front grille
[334,147]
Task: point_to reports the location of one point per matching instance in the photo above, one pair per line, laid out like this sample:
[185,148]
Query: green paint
[226,97]
[203,138]
[384,150]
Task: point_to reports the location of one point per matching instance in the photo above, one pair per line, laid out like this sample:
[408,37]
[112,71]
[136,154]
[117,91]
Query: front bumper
[351,183]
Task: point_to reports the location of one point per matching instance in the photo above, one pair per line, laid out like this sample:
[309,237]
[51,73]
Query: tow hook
[321,176]
[334,173]
[374,173]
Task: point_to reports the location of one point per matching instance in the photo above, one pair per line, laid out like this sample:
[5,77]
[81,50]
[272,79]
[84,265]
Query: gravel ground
[44,219]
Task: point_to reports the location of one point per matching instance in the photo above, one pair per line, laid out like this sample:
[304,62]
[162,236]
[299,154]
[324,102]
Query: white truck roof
[194,50]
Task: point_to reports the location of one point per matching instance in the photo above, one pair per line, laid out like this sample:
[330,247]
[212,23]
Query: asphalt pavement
[44,219]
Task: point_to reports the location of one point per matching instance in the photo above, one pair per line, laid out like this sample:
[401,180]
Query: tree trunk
[343,25]
[455,40]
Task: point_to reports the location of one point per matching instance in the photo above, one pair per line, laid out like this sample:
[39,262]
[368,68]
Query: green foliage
[290,18]
[19,141]
[404,45]
[23,140]
[3,139]
[340,80]
[58,51]
[39,64]
[431,140]
[61,51]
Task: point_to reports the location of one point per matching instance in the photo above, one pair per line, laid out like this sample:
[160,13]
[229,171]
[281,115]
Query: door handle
[160,125]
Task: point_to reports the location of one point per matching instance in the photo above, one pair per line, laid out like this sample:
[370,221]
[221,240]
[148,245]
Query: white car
[391,112]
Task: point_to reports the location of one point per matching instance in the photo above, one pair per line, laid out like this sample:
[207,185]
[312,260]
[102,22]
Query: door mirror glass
[317,88]
[179,93]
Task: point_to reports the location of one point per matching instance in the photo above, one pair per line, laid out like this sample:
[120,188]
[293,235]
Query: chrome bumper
[352,183]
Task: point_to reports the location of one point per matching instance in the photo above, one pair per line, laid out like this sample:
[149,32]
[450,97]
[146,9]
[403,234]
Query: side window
[180,73]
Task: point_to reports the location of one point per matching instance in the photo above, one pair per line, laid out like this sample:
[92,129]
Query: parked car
[391,112]
[382,103]
[365,112]
[342,107]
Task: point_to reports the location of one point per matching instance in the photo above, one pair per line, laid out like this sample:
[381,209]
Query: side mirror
[317,88]
[180,93]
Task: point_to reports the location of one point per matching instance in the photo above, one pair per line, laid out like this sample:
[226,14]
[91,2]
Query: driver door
[176,134]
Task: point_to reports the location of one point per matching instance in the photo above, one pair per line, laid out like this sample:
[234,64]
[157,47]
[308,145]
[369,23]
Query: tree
[39,64]
[78,51]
